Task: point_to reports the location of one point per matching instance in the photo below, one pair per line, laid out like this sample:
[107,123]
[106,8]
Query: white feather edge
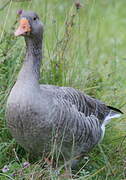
[106,121]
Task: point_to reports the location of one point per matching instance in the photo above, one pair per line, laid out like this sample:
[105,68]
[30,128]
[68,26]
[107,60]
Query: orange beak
[23,27]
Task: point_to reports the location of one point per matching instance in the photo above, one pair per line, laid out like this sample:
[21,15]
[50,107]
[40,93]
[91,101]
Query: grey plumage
[39,115]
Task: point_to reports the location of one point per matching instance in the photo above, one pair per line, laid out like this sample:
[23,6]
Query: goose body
[40,115]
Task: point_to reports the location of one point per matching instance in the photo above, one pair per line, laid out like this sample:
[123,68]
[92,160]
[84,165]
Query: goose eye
[34,18]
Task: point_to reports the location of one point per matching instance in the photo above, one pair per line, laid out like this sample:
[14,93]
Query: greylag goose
[39,115]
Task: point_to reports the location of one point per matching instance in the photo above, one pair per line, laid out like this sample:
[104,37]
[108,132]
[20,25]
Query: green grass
[84,49]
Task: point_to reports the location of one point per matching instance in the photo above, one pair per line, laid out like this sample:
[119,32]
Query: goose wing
[78,131]
[84,103]
[81,119]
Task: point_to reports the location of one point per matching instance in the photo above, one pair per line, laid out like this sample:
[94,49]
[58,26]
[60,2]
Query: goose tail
[114,113]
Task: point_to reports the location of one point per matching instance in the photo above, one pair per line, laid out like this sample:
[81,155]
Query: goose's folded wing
[91,106]
[75,127]
[84,103]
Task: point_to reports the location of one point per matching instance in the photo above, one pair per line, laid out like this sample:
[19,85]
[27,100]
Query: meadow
[84,48]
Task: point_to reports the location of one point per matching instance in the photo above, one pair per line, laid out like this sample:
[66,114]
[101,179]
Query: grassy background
[85,49]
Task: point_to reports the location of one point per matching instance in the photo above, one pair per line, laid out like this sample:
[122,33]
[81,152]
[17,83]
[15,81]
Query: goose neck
[34,47]
[31,67]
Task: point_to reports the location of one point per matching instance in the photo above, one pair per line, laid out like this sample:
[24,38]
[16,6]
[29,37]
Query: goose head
[29,25]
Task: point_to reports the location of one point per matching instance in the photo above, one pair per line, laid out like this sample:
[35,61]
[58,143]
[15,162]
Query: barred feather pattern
[77,116]
[84,103]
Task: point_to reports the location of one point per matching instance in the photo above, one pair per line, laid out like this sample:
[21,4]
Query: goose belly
[34,136]
[26,126]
